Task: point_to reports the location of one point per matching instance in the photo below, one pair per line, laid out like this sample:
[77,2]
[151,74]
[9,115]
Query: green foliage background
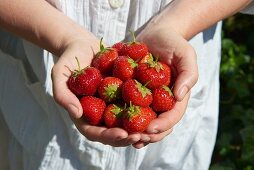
[234,148]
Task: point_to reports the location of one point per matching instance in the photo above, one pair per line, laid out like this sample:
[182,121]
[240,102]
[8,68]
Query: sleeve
[249,9]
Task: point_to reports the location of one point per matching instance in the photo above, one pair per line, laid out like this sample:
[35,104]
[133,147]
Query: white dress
[38,133]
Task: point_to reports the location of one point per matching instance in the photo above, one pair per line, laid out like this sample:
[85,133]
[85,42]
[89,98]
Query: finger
[185,65]
[144,139]
[112,136]
[140,144]
[159,136]
[167,120]
[131,139]
[99,133]
[152,139]
[62,94]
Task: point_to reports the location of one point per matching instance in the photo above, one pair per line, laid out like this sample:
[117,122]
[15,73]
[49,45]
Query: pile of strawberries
[125,86]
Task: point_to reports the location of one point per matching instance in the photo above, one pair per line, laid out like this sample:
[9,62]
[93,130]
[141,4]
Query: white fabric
[249,9]
[43,137]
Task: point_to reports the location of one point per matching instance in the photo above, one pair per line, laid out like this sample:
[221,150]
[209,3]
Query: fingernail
[121,138]
[182,92]
[146,139]
[154,131]
[73,110]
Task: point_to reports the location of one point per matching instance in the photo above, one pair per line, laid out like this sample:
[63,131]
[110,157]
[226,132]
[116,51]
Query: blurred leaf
[248,143]
[234,147]
[228,165]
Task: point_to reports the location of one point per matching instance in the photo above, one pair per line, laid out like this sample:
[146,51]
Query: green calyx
[132,62]
[102,48]
[132,110]
[133,38]
[112,92]
[143,89]
[78,71]
[167,89]
[154,63]
[117,111]
[150,59]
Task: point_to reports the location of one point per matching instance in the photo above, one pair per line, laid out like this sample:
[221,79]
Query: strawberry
[146,59]
[113,116]
[137,119]
[136,93]
[84,81]
[110,89]
[155,73]
[104,59]
[124,68]
[93,109]
[136,50]
[164,99]
[120,47]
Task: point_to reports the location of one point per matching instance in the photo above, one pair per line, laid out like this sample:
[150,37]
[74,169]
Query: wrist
[172,19]
[189,17]
[71,35]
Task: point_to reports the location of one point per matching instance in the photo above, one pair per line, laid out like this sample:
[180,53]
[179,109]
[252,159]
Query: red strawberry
[136,93]
[137,119]
[104,59]
[155,73]
[146,59]
[136,50]
[93,109]
[124,68]
[163,99]
[120,47]
[113,116]
[84,81]
[110,89]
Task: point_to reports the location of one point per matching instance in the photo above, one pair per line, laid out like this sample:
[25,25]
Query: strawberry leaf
[144,90]
[117,111]
[166,88]
[111,91]
[132,111]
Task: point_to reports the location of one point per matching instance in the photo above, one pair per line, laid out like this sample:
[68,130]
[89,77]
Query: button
[116,3]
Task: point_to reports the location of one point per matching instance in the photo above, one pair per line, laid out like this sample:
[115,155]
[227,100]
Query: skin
[169,30]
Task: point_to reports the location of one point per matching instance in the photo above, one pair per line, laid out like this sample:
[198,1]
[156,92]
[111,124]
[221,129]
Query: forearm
[40,23]
[190,17]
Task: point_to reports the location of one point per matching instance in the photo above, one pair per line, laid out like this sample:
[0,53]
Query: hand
[172,48]
[84,49]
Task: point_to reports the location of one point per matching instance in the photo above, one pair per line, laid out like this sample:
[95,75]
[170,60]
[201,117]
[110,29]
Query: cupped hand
[170,46]
[84,49]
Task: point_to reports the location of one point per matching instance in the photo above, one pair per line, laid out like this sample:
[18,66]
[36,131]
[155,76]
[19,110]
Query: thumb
[64,96]
[185,65]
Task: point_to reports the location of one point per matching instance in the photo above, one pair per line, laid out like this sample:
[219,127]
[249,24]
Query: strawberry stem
[133,36]
[147,83]
[79,68]
[102,48]
[78,71]
[132,111]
